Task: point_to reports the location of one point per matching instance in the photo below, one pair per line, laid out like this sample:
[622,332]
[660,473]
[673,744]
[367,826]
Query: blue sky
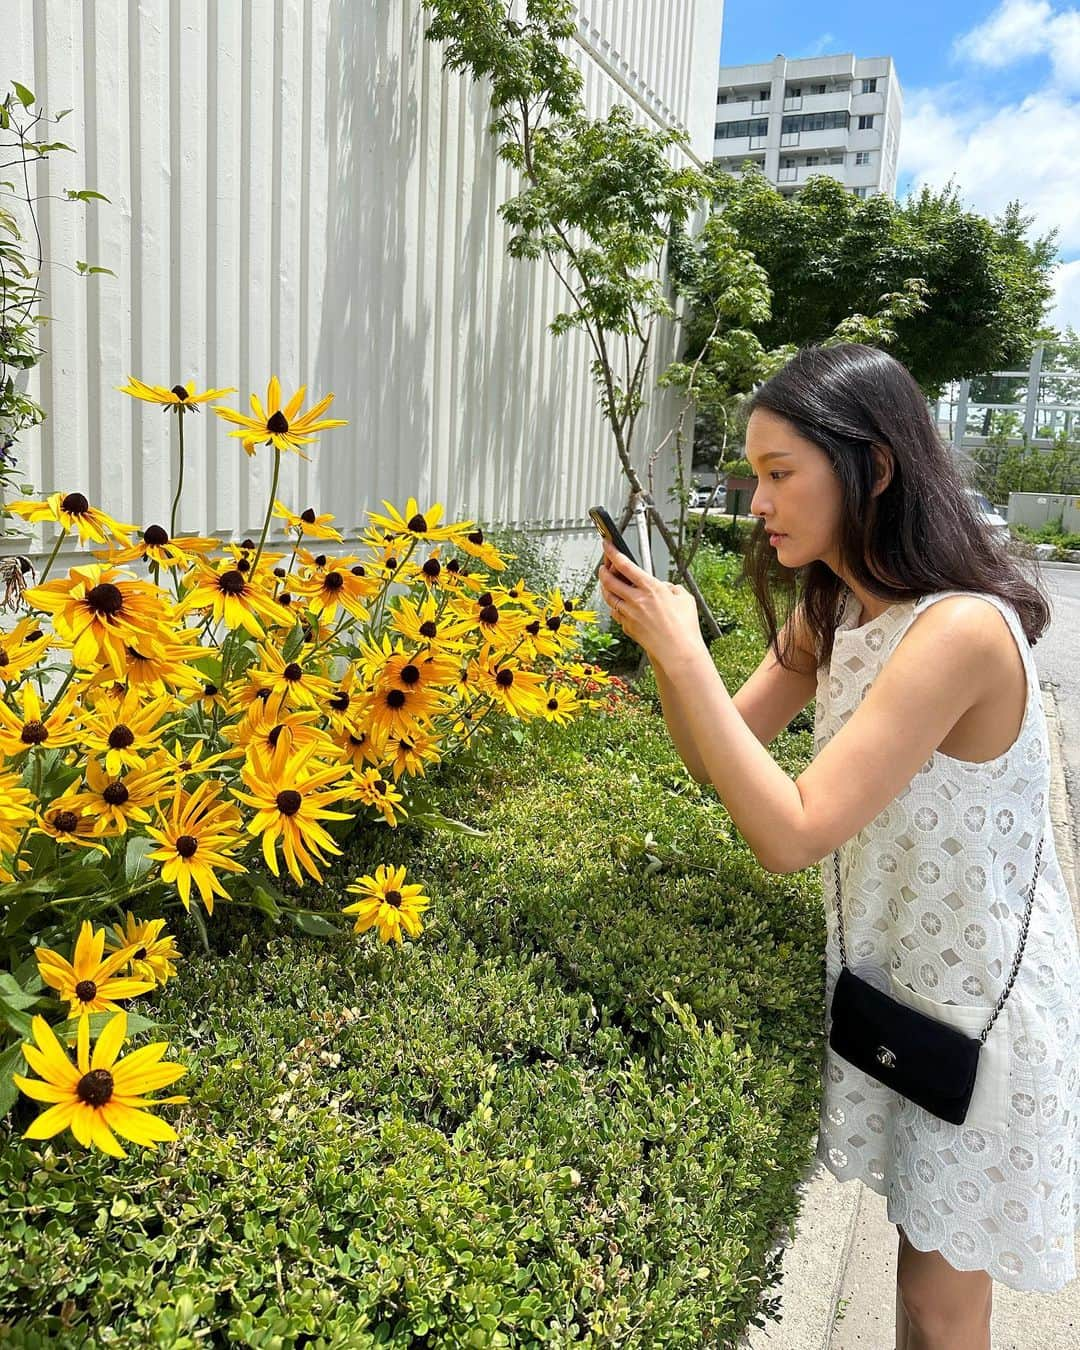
[991,96]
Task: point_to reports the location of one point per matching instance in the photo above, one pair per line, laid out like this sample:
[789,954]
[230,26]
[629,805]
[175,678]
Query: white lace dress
[934,890]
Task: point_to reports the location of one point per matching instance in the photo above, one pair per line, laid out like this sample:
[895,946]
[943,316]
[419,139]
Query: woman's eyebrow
[775,454]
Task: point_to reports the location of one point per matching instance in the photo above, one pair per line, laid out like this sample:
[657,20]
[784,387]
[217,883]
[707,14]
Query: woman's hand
[660,616]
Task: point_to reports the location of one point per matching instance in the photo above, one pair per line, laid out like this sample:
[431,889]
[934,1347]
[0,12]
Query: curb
[838,1285]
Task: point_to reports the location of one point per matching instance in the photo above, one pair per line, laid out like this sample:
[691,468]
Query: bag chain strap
[1019,951]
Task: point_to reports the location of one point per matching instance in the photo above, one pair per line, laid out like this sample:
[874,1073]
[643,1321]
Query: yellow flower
[87,983]
[152,956]
[228,593]
[307,522]
[20,730]
[416,525]
[181,398]
[123,734]
[61,820]
[518,692]
[291,795]
[388,904]
[299,686]
[16,813]
[21,647]
[99,614]
[371,788]
[99,1093]
[114,801]
[74,512]
[198,837]
[155,546]
[283,428]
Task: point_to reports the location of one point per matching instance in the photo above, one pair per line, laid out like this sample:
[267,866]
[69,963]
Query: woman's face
[797,495]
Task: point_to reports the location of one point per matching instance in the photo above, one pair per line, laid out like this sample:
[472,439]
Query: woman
[912,628]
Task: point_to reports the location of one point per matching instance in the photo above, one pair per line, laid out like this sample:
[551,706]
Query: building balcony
[835,101]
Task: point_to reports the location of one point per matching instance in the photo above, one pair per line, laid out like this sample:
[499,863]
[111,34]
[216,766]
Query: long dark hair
[919,535]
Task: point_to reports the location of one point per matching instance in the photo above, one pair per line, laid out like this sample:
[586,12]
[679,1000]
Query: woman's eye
[778,473]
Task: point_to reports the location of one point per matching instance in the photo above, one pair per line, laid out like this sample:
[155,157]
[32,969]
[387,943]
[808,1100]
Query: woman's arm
[947,661]
[766,701]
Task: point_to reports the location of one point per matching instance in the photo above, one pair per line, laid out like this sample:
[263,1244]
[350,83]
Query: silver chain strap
[1019,951]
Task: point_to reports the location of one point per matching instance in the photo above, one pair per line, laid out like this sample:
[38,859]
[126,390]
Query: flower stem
[180,476]
[269,511]
[52,556]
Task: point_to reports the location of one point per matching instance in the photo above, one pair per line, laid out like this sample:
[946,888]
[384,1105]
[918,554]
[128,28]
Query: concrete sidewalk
[839,1284]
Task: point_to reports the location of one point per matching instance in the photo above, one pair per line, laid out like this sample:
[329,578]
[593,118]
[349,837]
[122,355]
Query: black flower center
[410,674]
[288,802]
[96,1087]
[231,582]
[274,734]
[333,581]
[393,898]
[308,516]
[155,535]
[140,955]
[116,794]
[418,525]
[249,544]
[279,572]
[429,628]
[285,598]
[186,845]
[432,567]
[453,565]
[357,571]
[320,560]
[477,537]
[209,690]
[533,628]
[34,733]
[180,392]
[243,565]
[106,598]
[489,614]
[339,702]
[120,738]
[293,671]
[555,622]
[395,698]
[75,504]
[552,703]
[86,991]
[67,822]
[504,679]
[3,657]
[277,424]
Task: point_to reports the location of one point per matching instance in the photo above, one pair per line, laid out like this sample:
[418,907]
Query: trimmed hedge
[575,1112]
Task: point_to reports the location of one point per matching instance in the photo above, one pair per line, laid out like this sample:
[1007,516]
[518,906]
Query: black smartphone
[610,530]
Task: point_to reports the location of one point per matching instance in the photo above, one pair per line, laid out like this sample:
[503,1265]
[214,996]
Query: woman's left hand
[659,615]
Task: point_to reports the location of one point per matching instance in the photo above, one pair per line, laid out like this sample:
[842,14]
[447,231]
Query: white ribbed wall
[300,188]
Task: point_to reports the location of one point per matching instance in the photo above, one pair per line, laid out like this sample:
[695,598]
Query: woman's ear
[883,468]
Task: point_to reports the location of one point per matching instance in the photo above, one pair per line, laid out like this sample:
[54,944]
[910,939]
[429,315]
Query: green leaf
[137,1023]
[314,924]
[25,97]
[263,900]
[11,1061]
[435,820]
[13,994]
[87,271]
[87,195]
[292,644]
[136,863]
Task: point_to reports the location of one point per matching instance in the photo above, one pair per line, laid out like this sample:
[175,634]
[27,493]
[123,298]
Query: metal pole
[641,521]
[1034,373]
[961,415]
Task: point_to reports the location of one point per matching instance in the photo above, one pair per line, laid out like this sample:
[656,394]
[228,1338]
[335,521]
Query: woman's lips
[774,538]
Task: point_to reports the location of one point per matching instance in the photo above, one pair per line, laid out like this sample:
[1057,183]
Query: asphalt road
[1057,658]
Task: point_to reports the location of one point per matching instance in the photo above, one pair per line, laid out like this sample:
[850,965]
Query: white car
[985,510]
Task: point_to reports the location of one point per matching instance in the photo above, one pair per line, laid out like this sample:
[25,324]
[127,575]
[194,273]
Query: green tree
[828,254]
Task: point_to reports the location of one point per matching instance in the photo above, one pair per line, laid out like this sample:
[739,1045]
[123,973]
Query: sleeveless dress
[933,891]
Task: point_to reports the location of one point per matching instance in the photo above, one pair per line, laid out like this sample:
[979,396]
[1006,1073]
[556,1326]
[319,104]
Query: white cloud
[1020,29]
[1023,150]
[819,45]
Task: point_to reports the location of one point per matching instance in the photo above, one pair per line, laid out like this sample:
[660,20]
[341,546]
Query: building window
[862,157]
[759,126]
[811,160]
[866,121]
[722,98]
[836,159]
[818,88]
[860,192]
[787,163]
[795,91]
[763,94]
[870,86]
[823,121]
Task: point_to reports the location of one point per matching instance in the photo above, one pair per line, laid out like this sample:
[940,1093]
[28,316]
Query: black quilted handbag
[927,1061]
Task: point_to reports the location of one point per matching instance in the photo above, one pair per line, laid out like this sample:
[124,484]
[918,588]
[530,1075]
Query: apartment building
[827,114]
